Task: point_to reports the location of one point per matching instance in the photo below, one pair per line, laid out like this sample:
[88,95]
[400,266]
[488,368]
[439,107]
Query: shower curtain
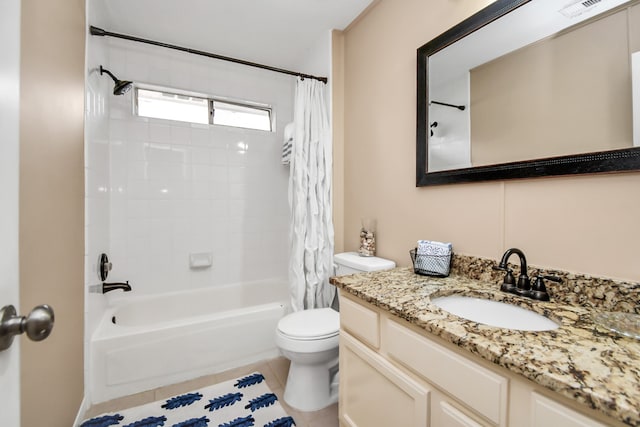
[311,233]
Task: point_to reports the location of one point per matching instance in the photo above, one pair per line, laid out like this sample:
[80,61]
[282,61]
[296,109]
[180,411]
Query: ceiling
[272,32]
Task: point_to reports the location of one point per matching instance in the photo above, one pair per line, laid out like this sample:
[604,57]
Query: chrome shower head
[121,87]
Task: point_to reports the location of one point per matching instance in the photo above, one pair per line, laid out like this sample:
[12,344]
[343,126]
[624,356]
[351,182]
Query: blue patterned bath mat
[243,402]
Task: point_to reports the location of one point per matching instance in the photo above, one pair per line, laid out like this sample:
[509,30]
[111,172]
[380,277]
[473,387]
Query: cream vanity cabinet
[392,374]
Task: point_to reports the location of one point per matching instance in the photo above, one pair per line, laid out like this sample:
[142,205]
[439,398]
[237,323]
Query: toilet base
[311,387]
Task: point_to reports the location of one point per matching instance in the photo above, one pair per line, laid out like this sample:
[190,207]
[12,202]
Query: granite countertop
[579,360]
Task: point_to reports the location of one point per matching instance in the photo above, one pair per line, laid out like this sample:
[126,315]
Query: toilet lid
[313,324]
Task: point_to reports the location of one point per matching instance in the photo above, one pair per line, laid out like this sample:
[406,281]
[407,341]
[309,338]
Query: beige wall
[337,123]
[583,224]
[564,95]
[51,206]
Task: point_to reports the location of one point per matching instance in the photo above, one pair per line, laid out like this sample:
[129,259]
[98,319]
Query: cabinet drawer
[477,387]
[360,321]
[546,412]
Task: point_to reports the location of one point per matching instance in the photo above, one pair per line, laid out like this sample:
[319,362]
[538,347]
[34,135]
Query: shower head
[121,87]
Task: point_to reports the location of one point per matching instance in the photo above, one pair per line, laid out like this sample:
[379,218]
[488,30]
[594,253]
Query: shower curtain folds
[312,238]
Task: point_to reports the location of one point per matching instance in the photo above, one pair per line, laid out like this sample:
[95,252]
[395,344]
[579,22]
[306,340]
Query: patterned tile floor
[275,372]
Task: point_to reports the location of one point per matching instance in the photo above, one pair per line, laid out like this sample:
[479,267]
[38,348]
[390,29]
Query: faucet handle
[552,278]
[539,290]
[509,281]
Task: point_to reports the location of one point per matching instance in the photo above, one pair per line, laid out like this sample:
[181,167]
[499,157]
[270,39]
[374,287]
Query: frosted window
[185,108]
[242,116]
[171,106]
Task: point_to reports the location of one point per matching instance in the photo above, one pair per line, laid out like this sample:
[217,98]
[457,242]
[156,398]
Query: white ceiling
[272,32]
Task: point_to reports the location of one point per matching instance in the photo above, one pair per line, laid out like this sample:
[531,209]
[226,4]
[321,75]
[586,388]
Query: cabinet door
[444,414]
[546,412]
[478,388]
[374,393]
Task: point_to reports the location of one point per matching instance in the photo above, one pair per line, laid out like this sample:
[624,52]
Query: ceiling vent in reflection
[579,7]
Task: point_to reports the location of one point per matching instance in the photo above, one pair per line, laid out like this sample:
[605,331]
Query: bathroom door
[9,161]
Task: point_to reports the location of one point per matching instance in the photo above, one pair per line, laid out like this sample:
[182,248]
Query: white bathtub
[147,342]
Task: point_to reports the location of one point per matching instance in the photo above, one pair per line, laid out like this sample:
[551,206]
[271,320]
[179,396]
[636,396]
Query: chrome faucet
[108,287]
[523,286]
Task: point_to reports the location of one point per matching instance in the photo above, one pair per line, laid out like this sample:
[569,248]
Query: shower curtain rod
[95,31]
[459,107]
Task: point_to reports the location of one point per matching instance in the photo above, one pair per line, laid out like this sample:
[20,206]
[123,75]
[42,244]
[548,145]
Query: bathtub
[147,342]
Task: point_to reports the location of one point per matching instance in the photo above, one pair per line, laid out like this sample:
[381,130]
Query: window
[242,116]
[171,106]
[194,109]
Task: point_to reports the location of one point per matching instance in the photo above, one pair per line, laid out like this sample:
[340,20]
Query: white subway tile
[200,135]
[180,135]
[178,188]
[138,209]
[137,130]
[159,132]
[158,153]
[119,130]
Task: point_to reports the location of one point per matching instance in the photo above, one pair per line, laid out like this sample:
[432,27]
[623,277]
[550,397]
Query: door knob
[38,324]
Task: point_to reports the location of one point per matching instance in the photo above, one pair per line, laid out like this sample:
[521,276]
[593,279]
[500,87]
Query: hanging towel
[286,145]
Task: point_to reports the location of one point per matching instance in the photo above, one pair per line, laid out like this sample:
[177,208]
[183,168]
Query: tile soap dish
[626,324]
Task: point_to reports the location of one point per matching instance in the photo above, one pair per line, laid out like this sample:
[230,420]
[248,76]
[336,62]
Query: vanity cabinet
[393,373]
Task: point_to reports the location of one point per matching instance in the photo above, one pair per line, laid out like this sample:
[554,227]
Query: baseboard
[84,406]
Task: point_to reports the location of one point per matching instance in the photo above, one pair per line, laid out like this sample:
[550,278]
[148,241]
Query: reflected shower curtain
[311,233]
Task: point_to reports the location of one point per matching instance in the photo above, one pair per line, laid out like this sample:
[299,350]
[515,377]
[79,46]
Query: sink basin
[495,313]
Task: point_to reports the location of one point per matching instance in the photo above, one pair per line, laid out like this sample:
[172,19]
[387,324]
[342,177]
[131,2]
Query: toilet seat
[310,325]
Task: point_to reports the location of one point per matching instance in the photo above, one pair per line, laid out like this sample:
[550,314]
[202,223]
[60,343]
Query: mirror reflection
[548,79]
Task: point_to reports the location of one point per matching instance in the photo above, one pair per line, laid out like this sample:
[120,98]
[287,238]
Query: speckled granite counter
[578,360]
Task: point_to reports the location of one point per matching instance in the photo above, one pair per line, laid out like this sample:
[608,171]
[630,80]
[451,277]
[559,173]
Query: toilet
[309,339]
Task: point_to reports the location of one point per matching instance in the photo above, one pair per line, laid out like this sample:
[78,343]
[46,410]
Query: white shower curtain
[311,254]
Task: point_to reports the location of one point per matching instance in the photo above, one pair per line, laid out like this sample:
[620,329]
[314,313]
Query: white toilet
[309,339]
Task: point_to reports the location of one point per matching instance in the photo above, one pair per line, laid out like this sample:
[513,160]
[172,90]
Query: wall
[582,224]
[317,58]
[337,127]
[180,188]
[51,206]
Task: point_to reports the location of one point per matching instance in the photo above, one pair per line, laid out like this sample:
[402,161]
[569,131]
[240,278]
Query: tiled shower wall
[96,171]
[180,188]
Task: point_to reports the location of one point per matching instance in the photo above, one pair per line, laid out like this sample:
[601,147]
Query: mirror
[528,88]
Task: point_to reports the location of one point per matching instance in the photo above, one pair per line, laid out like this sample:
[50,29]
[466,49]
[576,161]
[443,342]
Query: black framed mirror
[438,109]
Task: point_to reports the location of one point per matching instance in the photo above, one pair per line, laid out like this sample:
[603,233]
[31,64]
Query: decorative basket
[430,265]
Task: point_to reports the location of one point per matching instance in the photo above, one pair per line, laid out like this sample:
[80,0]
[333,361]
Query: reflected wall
[564,95]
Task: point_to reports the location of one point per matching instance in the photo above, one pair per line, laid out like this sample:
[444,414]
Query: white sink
[494,313]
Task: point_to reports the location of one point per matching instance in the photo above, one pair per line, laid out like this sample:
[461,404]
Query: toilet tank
[351,262]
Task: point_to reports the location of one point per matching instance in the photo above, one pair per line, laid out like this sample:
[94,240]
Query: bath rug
[242,402]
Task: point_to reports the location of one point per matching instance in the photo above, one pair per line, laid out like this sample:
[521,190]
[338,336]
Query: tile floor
[275,372]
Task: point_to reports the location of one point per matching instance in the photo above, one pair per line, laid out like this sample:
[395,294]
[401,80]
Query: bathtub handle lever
[108,287]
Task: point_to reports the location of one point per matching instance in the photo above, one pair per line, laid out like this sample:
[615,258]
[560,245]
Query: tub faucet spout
[108,287]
